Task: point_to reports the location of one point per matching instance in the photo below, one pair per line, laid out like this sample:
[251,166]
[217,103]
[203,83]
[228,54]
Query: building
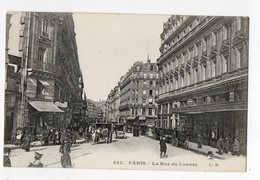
[96,111]
[203,70]
[51,83]
[137,94]
[113,103]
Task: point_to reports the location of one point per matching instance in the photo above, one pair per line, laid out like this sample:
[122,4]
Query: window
[151,83]
[145,75]
[150,111]
[151,68]
[143,111]
[157,75]
[136,92]
[39,90]
[238,23]
[144,91]
[41,52]
[144,101]
[145,83]
[138,68]
[151,75]
[156,92]
[44,26]
[150,92]
[150,101]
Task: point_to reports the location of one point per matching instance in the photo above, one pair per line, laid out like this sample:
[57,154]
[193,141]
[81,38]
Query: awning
[142,118]
[43,106]
[45,83]
[130,117]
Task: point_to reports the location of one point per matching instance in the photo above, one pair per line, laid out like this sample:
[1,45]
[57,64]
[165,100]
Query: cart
[120,130]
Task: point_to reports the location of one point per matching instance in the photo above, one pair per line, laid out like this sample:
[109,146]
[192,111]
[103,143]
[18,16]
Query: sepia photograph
[126,91]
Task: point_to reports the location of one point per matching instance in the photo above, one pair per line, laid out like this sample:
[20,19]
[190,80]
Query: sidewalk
[205,149]
[37,144]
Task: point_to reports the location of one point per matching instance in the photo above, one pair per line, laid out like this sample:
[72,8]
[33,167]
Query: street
[133,153]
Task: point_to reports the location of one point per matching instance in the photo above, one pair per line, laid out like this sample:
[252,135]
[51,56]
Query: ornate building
[113,103]
[95,111]
[203,70]
[137,94]
[51,80]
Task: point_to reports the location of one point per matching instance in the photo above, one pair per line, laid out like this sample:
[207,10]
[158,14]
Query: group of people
[21,137]
[223,145]
[102,133]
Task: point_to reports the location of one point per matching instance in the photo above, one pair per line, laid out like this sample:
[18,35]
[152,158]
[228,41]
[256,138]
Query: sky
[109,44]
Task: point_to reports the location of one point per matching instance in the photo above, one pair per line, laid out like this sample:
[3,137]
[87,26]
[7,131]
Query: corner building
[113,103]
[138,89]
[203,71]
[51,81]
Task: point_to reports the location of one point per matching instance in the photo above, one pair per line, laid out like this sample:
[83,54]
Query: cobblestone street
[132,152]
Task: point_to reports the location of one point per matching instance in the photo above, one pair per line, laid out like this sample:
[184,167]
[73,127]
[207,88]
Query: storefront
[44,115]
[215,125]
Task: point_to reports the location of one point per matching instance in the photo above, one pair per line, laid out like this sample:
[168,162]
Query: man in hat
[7,161]
[163,147]
[37,160]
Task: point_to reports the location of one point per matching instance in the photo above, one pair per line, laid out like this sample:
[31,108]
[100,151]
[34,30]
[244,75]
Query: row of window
[195,50]
[210,39]
[143,111]
[145,75]
[233,96]
[151,83]
[151,92]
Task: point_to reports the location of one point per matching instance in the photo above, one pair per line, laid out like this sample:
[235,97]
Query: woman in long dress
[65,153]
[26,145]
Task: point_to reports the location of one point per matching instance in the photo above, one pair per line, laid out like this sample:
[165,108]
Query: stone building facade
[137,94]
[51,79]
[203,70]
[113,103]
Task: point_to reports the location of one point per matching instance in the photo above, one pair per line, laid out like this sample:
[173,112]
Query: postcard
[126,91]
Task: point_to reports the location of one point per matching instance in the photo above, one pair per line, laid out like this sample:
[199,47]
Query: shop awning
[43,106]
[130,117]
[45,83]
[142,118]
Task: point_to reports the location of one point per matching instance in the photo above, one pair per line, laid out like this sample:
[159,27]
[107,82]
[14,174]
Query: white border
[189,7]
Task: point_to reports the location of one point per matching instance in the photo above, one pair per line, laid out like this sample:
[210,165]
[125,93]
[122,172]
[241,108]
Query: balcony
[213,51]
[225,45]
[45,67]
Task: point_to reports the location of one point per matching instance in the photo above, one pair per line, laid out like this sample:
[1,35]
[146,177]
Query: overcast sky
[109,44]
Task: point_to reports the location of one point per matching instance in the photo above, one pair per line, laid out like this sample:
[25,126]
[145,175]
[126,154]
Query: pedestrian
[186,143]
[19,136]
[220,146]
[55,136]
[26,145]
[111,133]
[236,148]
[199,141]
[163,147]
[74,135]
[226,145]
[37,160]
[94,135]
[13,136]
[65,152]
[6,158]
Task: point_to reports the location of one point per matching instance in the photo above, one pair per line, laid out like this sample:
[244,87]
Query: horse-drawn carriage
[102,132]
